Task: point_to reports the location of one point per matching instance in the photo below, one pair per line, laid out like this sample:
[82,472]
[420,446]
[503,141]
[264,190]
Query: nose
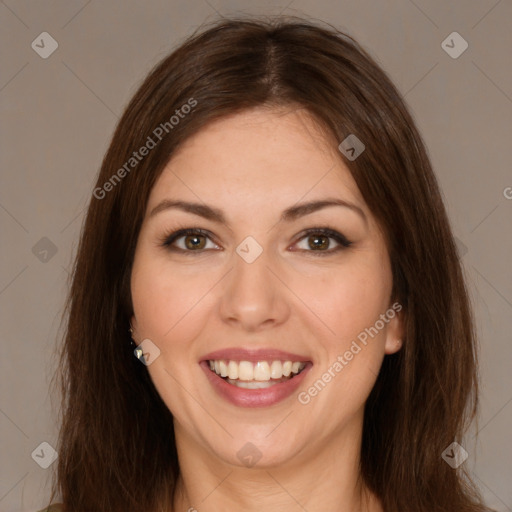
[253,298]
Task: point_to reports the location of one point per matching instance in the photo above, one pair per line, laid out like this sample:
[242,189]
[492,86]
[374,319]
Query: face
[283,282]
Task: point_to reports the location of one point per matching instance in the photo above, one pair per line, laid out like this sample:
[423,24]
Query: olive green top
[55,507]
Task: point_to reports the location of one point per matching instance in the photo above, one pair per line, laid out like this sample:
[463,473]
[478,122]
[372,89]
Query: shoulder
[55,507]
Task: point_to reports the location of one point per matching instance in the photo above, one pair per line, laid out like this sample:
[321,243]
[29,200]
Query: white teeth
[223,369]
[287,368]
[253,384]
[276,370]
[245,370]
[260,371]
[233,370]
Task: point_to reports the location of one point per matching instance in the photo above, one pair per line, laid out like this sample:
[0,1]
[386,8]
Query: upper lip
[254,355]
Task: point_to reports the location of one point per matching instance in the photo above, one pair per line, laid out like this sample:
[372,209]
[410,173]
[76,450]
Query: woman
[267,307]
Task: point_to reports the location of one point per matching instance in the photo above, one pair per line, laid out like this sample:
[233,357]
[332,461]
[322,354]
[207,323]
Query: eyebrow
[290,214]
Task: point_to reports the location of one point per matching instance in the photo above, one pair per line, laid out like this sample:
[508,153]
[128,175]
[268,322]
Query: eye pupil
[194,241]
[318,242]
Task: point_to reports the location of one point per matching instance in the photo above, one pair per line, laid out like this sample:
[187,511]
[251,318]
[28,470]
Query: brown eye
[318,242]
[188,241]
[322,241]
[195,241]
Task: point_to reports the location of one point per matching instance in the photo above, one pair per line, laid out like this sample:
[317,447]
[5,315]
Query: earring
[130,330]
[138,351]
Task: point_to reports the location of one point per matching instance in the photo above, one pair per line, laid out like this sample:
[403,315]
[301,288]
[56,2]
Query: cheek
[165,301]
[351,355]
[349,298]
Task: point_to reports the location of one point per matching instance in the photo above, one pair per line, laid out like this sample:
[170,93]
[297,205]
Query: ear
[395,328]
[133,325]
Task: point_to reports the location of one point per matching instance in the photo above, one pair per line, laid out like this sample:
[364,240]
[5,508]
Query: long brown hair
[116,448]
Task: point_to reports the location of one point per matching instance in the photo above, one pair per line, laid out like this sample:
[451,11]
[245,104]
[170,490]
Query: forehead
[257,158]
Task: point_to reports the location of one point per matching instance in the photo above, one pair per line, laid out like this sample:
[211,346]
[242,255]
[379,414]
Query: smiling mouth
[256,375]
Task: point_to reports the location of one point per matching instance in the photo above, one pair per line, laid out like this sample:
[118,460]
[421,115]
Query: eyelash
[170,238]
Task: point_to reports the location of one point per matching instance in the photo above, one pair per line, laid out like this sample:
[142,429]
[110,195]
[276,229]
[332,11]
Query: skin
[252,166]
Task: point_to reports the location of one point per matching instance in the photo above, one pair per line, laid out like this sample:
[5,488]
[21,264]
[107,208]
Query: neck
[320,477]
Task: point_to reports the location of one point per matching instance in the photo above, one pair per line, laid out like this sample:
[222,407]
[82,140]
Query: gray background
[58,115]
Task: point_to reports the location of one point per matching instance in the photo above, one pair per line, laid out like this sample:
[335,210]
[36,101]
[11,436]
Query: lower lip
[243,397]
